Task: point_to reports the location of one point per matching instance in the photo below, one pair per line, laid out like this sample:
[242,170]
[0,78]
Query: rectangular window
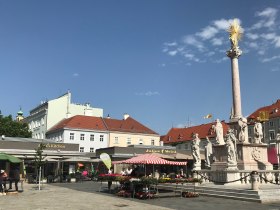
[91,149]
[249,131]
[128,141]
[271,135]
[101,138]
[152,142]
[82,149]
[116,140]
[271,124]
[91,137]
[71,136]
[186,146]
[82,137]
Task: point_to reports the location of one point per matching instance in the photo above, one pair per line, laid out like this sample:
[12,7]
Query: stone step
[218,191]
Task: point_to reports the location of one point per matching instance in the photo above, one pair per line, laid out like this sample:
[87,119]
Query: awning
[149,159]
[82,159]
[10,158]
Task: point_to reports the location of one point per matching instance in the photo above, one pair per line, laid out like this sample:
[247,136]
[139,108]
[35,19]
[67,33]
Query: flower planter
[188,194]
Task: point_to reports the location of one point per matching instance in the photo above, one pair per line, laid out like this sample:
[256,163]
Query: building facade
[49,113]
[92,133]
[89,132]
[127,131]
[182,137]
[269,116]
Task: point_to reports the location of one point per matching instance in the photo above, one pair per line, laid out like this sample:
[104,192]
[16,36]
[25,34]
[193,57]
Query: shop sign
[162,151]
[55,146]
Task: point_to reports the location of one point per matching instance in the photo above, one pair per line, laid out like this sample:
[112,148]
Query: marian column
[235,32]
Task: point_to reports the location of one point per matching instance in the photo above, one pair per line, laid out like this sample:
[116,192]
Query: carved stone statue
[219,132]
[196,152]
[208,153]
[258,131]
[243,130]
[231,149]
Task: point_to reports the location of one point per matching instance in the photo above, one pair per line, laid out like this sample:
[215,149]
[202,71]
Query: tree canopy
[11,128]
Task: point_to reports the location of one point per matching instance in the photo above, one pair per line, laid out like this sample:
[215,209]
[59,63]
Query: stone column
[234,54]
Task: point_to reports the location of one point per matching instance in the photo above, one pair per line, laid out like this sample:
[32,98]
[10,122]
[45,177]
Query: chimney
[108,116]
[125,116]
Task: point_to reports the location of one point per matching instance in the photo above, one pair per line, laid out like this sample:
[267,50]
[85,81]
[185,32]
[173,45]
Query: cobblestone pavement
[86,195]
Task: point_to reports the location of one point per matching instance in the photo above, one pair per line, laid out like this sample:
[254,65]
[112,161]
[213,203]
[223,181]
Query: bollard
[254,180]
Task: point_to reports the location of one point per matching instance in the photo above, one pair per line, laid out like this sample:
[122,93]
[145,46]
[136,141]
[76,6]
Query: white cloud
[277,41]
[222,24]
[269,36]
[170,44]
[191,40]
[275,69]
[208,32]
[75,75]
[148,93]
[217,41]
[221,60]
[253,45]
[268,18]
[271,59]
[189,56]
[172,53]
[252,36]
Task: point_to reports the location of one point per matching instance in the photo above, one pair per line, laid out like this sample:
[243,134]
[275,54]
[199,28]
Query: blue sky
[163,62]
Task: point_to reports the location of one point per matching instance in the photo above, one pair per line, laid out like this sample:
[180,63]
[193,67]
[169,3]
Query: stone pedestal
[253,157]
[249,157]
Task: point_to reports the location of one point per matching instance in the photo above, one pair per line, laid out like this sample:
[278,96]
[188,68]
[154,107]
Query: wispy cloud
[268,17]
[148,93]
[210,43]
[75,74]
[276,57]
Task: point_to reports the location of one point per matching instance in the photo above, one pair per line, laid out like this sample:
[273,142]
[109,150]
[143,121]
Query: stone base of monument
[249,157]
[253,157]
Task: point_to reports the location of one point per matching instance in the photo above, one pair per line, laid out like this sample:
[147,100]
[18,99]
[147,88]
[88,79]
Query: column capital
[234,52]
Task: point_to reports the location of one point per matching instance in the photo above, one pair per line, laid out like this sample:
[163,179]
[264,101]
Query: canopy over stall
[10,158]
[149,159]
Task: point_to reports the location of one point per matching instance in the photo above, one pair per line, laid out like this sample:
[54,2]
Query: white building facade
[49,113]
[88,140]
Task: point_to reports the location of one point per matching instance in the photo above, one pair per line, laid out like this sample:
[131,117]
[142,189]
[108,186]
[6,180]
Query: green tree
[39,161]
[11,128]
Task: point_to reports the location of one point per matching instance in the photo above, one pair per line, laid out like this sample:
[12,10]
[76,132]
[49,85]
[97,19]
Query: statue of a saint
[235,33]
[219,132]
[231,149]
[243,130]
[258,131]
[196,152]
[208,152]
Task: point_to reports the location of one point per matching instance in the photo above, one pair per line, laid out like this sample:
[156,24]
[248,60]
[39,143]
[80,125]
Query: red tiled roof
[186,134]
[127,125]
[99,123]
[273,110]
[80,122]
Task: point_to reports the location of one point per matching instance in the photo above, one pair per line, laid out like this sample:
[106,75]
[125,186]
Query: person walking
[14,177]
[3,178]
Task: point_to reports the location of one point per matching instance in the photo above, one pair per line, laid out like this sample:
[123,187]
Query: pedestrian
[3,179]
[14,176]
